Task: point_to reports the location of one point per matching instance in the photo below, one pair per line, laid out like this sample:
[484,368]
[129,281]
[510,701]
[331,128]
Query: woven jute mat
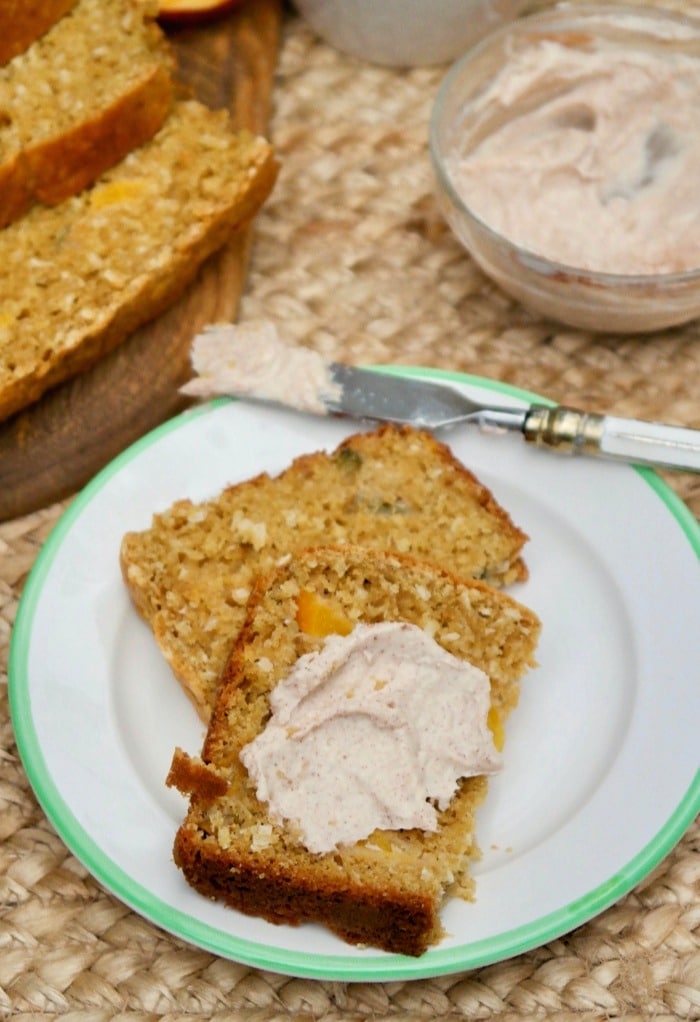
[352,258]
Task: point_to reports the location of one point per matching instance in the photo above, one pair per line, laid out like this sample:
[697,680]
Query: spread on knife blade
[249,360]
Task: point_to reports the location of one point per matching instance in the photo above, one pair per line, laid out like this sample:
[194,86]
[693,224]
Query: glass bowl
[529,84]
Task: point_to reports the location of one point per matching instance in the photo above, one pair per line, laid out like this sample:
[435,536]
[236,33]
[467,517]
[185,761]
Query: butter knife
[433,405]
[252,362]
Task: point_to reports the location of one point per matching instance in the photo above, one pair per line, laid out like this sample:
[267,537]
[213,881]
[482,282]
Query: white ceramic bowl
[582,297]
[405,33]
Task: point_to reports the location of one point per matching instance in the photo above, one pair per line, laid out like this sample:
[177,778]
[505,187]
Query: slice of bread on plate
[79,277]
[24,21]
[385,890]
[191,572]
[93,87]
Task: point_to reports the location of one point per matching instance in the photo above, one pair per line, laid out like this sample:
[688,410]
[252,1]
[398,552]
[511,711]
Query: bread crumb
[248,531]
[262,837]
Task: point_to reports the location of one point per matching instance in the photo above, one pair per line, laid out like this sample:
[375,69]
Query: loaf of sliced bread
[79,277]
[24,21]
[385,890]
[190,574]
[94,86]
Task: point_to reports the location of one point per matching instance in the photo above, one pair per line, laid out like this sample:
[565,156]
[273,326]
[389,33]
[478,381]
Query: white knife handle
[630,440]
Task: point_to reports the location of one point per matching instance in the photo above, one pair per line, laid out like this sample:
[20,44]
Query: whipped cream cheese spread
[249,360]
[589,154]
[373,730]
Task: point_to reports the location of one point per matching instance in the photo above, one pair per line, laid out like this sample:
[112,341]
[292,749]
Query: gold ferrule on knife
[565,429]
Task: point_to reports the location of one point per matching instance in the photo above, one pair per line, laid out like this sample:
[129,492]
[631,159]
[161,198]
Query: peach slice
[315,616]
[495,723]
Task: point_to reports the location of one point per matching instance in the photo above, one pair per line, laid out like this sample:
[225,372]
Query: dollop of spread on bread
[371,731]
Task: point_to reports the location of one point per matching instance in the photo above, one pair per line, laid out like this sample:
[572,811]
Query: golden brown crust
[23,21]
[386,891]
[403,922]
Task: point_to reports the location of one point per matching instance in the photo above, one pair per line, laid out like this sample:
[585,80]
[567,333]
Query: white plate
[601,766]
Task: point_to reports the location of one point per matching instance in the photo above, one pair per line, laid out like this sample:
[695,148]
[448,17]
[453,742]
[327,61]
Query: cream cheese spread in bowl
[567,151]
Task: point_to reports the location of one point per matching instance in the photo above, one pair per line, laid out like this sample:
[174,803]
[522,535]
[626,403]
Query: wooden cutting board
[53,448]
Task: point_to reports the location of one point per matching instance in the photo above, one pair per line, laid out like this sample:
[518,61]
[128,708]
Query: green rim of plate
[338,967]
